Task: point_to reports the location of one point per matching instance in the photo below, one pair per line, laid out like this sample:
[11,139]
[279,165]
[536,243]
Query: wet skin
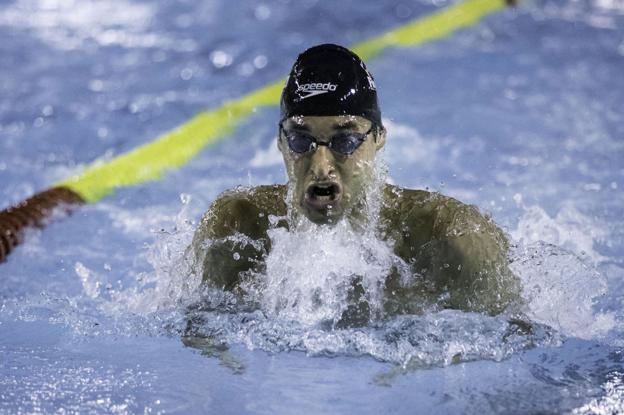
[458,255]
[327,184]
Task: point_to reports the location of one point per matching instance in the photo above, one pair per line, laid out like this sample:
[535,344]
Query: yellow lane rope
[174,149]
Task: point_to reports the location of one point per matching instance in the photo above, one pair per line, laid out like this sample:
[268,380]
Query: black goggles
[344,143]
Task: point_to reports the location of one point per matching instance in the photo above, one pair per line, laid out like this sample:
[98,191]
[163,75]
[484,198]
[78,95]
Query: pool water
[519,115]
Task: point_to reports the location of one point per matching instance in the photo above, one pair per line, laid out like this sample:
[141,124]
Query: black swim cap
[330,80]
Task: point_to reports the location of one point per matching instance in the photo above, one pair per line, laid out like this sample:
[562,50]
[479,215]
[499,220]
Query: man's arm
[471,259]
[460,254]
[232,236]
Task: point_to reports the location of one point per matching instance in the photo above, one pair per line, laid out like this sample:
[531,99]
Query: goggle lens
[346,143]
[342,143]
[300,142]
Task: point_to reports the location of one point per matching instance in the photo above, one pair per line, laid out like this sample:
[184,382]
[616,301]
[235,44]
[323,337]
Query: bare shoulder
[236,220]
[410,199]
[460,250]
[243,210]
[428,215]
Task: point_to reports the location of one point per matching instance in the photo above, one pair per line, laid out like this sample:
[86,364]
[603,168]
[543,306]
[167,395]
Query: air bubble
[260,61]
[186,74]
[47,111]
[220,59]
[96,85]
[102,132]
[185,198]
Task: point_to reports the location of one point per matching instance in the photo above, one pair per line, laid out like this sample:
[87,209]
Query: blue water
[520,115]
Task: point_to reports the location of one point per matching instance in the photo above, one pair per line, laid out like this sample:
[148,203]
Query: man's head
[330,131]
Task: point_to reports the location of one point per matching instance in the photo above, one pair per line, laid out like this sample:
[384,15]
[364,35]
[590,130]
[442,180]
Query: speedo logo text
[312,89]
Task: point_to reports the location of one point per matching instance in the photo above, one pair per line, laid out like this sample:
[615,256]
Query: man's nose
[323,164]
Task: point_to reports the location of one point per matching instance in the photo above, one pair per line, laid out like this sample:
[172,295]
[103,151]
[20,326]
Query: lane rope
[176,148]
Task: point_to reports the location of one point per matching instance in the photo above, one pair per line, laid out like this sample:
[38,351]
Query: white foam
[569,229]
[310,272]
[172,282]
[90,281]
[561,290]
[612,402]
[556,259]
[312,269]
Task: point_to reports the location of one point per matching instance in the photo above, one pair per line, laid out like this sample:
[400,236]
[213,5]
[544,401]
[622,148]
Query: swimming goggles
[344,143]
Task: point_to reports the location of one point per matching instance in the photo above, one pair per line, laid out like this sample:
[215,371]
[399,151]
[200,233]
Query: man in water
[329,134]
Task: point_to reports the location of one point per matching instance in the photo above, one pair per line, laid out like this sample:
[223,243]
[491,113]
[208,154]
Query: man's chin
[322,215]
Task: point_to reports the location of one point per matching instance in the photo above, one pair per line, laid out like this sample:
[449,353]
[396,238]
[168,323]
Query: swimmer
[330,131]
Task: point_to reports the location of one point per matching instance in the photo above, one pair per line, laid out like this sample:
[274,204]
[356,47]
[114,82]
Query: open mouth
[322,195]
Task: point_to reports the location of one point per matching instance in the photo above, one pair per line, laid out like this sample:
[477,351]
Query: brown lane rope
[33,212]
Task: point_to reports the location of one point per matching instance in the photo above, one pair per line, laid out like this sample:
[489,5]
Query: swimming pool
[520,115]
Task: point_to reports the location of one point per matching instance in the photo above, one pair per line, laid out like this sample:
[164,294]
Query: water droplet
[262,12]
[186,74]
[96,85]
[185,198]
[220,59]
[260,61]
[47,110]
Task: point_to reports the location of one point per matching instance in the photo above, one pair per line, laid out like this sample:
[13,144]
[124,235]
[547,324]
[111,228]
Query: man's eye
[299,142]
[346,143]
[350,136]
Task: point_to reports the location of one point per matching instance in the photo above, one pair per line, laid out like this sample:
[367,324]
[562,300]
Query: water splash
[556,257]
[435,339]
[568,229]
[174,282]
[613,400]
[317,274]
[561,290]
[314,275]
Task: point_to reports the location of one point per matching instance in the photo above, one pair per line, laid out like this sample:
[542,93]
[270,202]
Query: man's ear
[380,138]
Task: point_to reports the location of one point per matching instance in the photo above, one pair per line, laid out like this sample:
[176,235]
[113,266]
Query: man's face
[327,184]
